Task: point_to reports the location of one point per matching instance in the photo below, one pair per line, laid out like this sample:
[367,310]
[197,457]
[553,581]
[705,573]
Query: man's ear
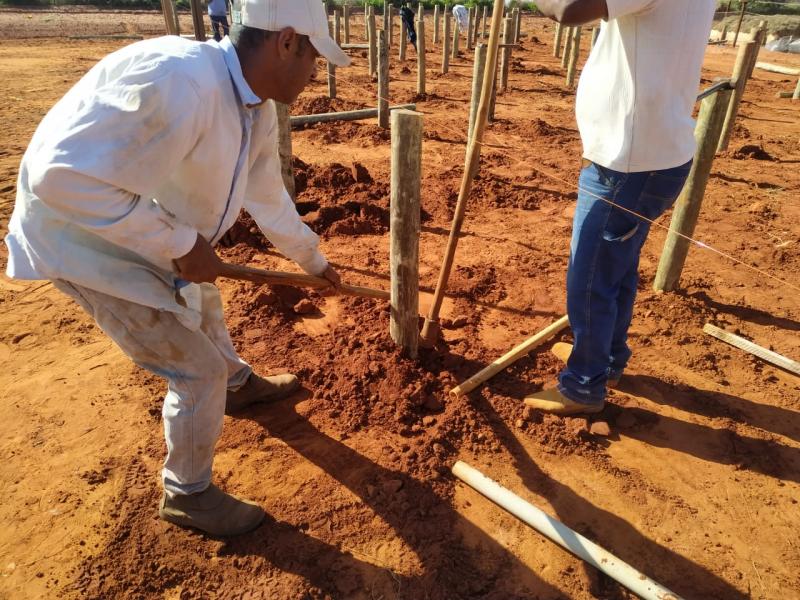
[286,42]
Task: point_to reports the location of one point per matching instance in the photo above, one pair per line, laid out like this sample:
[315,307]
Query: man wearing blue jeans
[634,111]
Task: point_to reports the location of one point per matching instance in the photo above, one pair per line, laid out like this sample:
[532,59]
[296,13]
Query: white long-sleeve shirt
[638,88]
[461,15]
[158,142]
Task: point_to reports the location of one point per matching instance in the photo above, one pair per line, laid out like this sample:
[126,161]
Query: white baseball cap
[306,17]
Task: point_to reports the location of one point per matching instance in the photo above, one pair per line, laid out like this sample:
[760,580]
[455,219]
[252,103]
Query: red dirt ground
[697,484]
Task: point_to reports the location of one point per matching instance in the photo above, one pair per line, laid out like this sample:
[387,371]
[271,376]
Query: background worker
[461,16]
[634,111]
[408,18]
[218,13]
[129,181]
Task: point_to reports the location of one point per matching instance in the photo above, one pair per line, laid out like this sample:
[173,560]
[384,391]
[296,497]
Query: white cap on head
[306,17]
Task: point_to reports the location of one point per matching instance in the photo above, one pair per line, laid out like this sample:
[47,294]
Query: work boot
[260,390]
[562,351]
[554,402]
[212,511]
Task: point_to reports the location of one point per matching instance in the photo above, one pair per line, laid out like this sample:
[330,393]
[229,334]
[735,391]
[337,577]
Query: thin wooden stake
[739,24]
[768,355]
[285,147]
[687,209]
[383,80]
[430,330]
[739,82]
[404,227]
[574,56]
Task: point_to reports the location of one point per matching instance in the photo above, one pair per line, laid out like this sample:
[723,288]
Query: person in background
[461,16]
[218,13]
[634,111]
[408,18]
[127,184]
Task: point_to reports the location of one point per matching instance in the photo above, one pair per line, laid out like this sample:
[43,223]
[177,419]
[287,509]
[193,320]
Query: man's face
[301,68]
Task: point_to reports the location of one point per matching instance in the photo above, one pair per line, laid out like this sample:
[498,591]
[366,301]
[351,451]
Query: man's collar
[245,93]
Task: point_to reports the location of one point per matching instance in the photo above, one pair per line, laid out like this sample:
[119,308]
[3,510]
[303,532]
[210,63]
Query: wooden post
[687,209]
[403,42]
[796,95]
[367,9]
[197,20]
[759,35]
[383,80]
[557,40]
[285,147]
[478,68]
[170,18]
[300,121]
[346,14]
[518,26]
[485,19]
[574,56]
[456,35]
[739,24]
[373,42]
[446,45]
[331,66]
[567,47]
[391,26]
[421,53]
[404,227]
[337,25]
[595,35]
[739,82]
[470,26]
[508,37]
[436,24]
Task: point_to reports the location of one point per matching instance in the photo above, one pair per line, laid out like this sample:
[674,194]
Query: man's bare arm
[573,12]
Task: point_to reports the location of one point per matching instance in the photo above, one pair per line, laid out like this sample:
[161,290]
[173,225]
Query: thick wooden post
[404,227]
[285,147]
[470,26]
[739,82]
[373,42]
[446,43]
[574,56]
[346,16]
[687,209]
[389,37]
[170,17]
[456,36]
[436,24]
[567,47]
[759,35]
[383,79]
[478,68]
[508,37]
[739,24]
[421,53]
[197,20]
[557,40]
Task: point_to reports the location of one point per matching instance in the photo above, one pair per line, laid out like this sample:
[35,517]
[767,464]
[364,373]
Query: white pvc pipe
[637,582]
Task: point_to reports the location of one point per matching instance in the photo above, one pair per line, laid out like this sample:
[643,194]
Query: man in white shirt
[461,16]
[127,184]
[634,111]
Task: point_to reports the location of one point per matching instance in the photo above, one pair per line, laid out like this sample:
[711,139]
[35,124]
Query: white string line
[569,184]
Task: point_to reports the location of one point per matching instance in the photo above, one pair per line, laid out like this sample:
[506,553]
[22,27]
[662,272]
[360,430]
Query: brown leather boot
[562,350]
[260,390]
[212,511]
[554,402]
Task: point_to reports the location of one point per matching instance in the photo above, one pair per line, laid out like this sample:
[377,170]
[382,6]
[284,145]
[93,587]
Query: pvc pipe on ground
[777,69]
[348,115]
[562,535]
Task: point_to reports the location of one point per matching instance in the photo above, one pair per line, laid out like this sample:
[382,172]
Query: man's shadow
[428,525]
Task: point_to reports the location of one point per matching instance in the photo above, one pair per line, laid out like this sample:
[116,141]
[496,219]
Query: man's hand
[201,264]
[573,12]
[331,275]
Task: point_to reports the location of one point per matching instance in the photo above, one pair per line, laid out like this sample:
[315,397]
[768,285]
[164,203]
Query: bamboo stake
[404,229]
[510,357]
[739,82]
[687,209]
[421,54]
[557,41]
[285,147]
[445,45]
[574,56]
[768,355]
[244,273]
[430,329]
[570,540]
[383,80]
[347,115]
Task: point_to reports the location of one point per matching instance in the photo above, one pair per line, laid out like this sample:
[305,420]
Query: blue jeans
[604,270]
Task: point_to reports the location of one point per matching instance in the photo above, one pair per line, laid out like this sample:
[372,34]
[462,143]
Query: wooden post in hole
[389,37]
[739,24]
[557,40]
[285,147]
[687,209]
[739,82]
[446,43]
[759,35]
[518,25]
[372,36]
[567,47]
[337,25]
[470,25]
[508,37]
[383,79]
[197,20]
[436,24]
[403,36]
[404,227]
[484,33]
[574,56]
[367,9]
[456,36]
[346,16]
[421,53]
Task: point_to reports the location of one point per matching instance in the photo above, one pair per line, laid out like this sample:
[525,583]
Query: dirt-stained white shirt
[639,86]
[158,142]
